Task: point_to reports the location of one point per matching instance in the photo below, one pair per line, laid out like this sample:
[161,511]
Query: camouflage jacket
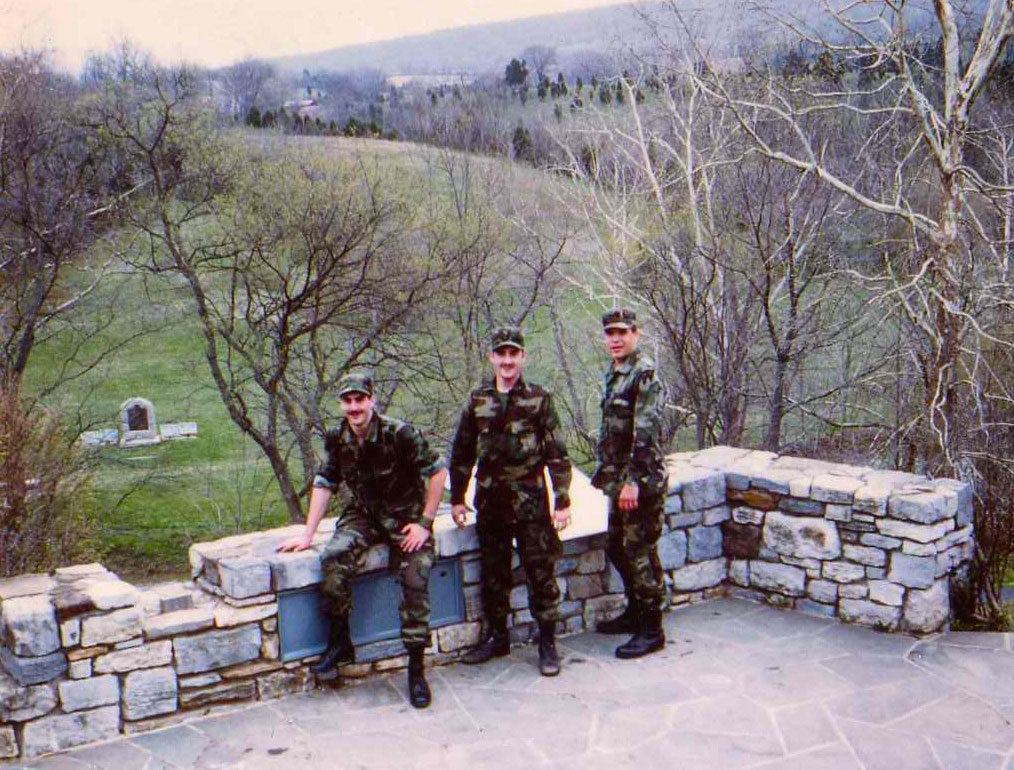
[386,474]
[629,448]
[512,445]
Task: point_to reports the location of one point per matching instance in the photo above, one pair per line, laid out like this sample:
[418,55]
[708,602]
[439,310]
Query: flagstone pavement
[739,685]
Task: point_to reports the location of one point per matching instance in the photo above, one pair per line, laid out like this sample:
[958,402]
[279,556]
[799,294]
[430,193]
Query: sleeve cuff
[434,467]
[562,501]
[322,483]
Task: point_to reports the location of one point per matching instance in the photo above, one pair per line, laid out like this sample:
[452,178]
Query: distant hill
[480,48]
[584,39]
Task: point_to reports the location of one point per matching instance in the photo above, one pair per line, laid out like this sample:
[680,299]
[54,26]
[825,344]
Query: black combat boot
[339,647]
[418,690]
[622,624]
[549,660]
[649,638]
[494,644]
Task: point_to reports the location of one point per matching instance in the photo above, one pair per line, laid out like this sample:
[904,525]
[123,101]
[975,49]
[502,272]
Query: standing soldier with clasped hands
[631,472]
[396,482]
[511,428]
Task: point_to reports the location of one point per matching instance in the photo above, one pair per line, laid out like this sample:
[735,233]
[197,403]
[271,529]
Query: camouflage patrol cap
[355,382]
[507,337]
[620,318]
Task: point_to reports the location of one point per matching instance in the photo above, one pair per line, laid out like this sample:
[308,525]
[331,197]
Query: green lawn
[154,501]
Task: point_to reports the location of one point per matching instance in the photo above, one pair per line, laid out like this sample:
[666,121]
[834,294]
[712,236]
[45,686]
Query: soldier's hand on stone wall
[294,544]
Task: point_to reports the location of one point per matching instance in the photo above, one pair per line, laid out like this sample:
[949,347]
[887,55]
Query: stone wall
[879,548]
[85,656]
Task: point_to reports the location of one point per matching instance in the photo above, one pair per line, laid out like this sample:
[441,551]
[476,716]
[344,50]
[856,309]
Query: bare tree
[541,58]
[244,84]
[893,114]
[786,242]
[919,118]
[124,62]
[654,172]
[298,266]
[56,198]
[501,268]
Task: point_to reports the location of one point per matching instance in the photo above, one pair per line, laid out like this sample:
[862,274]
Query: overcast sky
[215,32]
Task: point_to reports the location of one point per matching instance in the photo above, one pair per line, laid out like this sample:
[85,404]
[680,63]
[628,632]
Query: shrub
[47,516]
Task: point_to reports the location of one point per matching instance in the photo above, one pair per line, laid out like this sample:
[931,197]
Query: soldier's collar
[371,430]
[519,386]
[626,365]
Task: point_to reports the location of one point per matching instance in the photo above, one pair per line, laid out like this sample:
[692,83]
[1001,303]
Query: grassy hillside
[155,501]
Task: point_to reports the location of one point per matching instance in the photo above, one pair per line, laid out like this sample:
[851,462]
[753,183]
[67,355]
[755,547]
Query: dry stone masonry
[879,548]
[85,656]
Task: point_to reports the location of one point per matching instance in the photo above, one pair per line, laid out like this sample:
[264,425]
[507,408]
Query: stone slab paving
[740,685]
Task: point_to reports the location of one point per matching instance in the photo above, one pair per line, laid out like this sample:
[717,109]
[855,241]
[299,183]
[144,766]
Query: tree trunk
[773,437]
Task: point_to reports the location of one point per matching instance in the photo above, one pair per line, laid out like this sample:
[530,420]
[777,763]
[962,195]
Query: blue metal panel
[302,628]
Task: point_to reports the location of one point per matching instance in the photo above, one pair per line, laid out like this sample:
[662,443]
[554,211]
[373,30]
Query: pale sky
[215,32]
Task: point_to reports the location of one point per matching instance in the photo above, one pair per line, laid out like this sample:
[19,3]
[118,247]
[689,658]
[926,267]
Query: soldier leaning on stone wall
[631,472]
[511,428]
[396,481]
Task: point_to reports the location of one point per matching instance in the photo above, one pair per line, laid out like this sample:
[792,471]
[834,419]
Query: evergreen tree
[589,160]
[516,73]
[522,143]
[795,65]
[253,117]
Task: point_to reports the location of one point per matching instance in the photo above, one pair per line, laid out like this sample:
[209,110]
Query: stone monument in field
[137,423]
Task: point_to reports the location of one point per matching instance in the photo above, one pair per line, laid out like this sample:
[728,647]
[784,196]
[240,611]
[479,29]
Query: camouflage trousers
[501,520]
[354,533]
[632,548]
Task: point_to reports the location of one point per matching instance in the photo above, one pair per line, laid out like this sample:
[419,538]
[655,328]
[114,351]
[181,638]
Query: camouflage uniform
[386,477]
[629,451]
[514,436]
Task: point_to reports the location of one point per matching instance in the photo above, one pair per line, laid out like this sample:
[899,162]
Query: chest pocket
[350,470]
[618,406]
[384,466]
[510,441]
